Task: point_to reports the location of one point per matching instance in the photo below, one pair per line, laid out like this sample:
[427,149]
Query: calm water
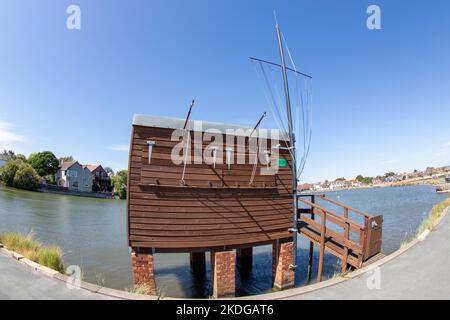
[91,233]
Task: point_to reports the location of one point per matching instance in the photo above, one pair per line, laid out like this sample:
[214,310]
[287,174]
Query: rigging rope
[274,106]
[302,106]
[187,133]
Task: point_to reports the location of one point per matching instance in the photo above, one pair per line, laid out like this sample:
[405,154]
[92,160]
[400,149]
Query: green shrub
[120,183]
[26,178]
[32,249]
[122,193]
[8,171]
[50,179]
[51,257]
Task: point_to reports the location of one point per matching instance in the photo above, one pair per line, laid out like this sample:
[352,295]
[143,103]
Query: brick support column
[143,271]
[282,257]
[223,273]
[197,262]
[244,258]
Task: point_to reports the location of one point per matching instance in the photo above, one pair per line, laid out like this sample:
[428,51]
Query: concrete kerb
[48,272]
[268,296]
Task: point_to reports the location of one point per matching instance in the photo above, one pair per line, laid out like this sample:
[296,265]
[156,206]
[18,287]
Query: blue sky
[381,97]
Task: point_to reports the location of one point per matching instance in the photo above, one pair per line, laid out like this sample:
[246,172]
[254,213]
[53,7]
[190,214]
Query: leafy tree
[20,157]
[45,163]
[340,179]
[365,180]
[390,174]
[50,179]
[26,178]
[120,183]
[368,180]
[9,171]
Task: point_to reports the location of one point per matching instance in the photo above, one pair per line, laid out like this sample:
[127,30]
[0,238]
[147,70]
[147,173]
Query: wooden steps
[355,244]
[331,245]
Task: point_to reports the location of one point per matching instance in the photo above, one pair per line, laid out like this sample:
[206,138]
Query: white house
[74,176]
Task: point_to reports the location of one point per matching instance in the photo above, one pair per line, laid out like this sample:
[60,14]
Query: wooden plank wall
[216,209]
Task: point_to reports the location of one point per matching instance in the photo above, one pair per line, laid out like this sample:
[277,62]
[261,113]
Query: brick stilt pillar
[198,262]
[282,257]
[143,271]
[244,258]
[223,273]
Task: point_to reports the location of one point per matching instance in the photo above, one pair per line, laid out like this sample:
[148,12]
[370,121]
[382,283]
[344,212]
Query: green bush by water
[49,256]
[19,174]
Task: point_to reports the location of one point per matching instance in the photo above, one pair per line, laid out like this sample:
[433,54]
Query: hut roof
[199,125]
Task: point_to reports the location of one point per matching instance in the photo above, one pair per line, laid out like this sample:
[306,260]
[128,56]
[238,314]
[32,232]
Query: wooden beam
[322,246]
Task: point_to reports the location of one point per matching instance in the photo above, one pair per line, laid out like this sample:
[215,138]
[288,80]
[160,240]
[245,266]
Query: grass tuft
[140,289]
[433,219]
[32,249]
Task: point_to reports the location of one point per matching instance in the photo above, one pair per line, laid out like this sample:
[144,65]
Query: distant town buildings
[388,178]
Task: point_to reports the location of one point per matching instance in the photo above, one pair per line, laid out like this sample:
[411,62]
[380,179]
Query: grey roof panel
[203,126]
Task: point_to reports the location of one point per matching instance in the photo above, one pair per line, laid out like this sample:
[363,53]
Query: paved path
[422,272]
[18,281]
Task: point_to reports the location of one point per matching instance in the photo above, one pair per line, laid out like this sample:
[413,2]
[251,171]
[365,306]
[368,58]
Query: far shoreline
[428,181]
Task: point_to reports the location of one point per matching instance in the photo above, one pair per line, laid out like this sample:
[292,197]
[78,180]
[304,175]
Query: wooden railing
[352,242]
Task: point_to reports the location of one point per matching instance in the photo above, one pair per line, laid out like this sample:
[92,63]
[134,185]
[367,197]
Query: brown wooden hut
[222,207]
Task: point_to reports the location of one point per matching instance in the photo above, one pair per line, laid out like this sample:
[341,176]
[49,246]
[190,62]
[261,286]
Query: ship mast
[292,147]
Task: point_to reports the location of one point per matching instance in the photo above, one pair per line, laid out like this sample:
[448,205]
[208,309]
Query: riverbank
[47,188]
[26,245]
[64,191]
[425,181]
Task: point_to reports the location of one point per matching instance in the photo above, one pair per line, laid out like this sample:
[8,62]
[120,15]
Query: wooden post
[322,246]
[311,254]
[362,241]
[346,237]
[197,260]
[311,243]
[244,257]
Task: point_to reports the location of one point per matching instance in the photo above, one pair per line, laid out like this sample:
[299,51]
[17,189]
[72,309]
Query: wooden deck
[354,243]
